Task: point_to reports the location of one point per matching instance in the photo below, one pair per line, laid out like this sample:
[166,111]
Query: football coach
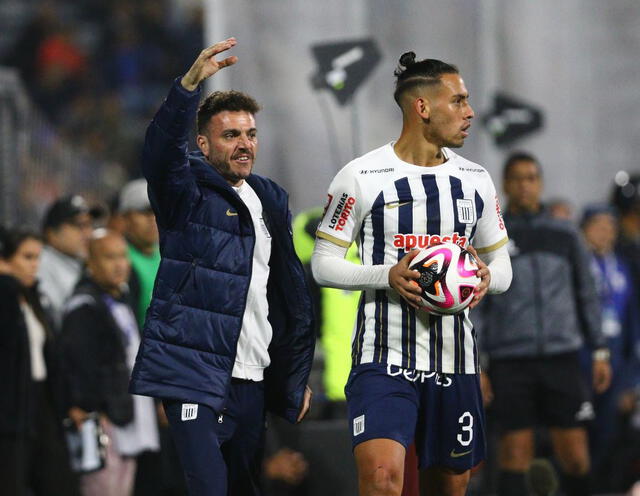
[229,332]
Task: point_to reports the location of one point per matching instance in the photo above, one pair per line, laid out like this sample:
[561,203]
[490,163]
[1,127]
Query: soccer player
[414,374]
[229,332]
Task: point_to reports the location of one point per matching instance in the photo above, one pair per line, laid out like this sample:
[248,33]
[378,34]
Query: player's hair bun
[407,59]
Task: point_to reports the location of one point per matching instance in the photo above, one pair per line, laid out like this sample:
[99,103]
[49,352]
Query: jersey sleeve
[491,232]
[341,218]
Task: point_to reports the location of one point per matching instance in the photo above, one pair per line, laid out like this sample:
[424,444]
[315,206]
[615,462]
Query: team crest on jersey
[466,211]
[410,241]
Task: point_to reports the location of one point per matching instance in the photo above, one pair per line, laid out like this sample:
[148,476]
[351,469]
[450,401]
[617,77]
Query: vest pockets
[189,274]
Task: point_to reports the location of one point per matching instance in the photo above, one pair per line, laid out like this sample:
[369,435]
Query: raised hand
[206,64]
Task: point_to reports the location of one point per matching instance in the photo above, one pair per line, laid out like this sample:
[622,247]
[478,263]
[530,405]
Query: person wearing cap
[66,229]
[141,233]
[621,328]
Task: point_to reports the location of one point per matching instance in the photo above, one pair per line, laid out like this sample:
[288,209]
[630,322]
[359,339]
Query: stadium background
[81,131]
[574,60]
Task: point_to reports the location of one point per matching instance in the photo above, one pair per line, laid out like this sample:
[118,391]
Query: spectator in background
[67,229]
[100,339]
[60,66]
[141,232]
[626,199]
[560,208]
[24,52]
[533,333]
[621,329]
[33,456]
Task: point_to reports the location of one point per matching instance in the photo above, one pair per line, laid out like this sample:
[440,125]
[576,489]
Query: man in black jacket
[100,339]
[532,334]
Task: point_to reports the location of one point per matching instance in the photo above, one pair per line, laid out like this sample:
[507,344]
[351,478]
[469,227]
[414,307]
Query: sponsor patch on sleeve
[342,212]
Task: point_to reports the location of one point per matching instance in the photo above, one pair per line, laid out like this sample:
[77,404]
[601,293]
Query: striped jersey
[389,207]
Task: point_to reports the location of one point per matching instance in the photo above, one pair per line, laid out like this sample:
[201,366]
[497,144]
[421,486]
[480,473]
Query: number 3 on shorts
[466,421]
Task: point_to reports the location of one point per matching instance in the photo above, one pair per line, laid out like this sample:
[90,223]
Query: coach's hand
[206,64]
[306,403]
[403,280]
[484,274]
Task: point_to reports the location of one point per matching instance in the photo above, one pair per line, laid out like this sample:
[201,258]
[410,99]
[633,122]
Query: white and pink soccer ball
[447,278]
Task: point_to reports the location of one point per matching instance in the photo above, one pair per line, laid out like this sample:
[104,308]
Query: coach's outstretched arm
[165,162]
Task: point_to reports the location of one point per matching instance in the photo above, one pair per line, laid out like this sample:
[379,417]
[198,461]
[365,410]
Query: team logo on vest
[421,241]
[342,212]
[466,211]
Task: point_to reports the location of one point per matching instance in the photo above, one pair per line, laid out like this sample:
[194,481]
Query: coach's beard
[225,170]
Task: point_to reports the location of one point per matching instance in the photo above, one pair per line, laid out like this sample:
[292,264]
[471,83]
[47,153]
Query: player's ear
[422,108]
[203,144]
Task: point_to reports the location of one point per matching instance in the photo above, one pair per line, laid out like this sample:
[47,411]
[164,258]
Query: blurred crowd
[73,295]
[99,69]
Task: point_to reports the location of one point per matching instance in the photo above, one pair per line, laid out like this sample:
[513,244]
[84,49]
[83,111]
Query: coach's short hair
[411,74]
[219,101]
[519,156]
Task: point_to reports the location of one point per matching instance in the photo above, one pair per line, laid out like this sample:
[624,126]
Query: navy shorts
[443,413]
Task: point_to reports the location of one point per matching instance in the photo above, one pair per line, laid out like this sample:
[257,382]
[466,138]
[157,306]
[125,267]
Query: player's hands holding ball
[450,274]
[485,278]
[206,64]
[403,280]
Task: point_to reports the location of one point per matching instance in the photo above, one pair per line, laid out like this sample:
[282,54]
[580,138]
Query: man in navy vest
[229,332]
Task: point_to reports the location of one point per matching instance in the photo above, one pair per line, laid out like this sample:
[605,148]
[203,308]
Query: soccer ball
[447,278]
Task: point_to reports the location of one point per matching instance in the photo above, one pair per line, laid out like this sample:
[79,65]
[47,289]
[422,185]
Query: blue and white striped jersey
[389,207]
